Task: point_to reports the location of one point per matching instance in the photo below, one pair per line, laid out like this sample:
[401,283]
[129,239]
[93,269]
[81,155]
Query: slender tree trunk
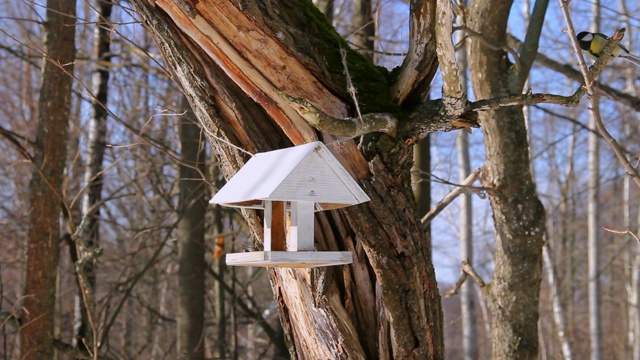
[363,28]
[556,304]
[566,253]
[635,297]
[518,214]
[191,244]
[93,178]
[467,293]
[49,156]
[221,312]
[633,253]
[593,219]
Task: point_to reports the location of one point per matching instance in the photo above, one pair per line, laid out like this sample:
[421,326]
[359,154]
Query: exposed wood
[278,226]
[258,73]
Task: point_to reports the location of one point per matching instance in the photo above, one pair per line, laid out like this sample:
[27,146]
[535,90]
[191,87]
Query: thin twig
[451,196]
[467,271]
[623,232]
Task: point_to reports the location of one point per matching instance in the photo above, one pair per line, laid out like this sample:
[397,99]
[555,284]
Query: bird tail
[631,58]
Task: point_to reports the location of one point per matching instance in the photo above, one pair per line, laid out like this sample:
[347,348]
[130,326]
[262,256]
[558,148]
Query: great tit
[594,43]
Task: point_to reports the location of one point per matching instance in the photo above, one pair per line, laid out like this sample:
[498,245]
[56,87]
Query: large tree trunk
[518,215]
[386,304]
[49,156]
[191,247]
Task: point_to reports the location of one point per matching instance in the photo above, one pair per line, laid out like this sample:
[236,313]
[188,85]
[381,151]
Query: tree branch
[467,270]
[349,127]
[428,117]
[452,195]
[14,138]
[573,74]
[531,40]
[601,62]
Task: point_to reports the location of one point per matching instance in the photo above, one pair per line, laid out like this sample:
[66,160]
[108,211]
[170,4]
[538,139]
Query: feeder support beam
[274,226]
[301,236]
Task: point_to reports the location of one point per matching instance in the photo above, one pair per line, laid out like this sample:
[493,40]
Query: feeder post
[274,228]
[301,236]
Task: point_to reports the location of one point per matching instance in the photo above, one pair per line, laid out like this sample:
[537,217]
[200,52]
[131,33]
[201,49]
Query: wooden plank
[291,259]
[278,228]
[268,215]
[301,236]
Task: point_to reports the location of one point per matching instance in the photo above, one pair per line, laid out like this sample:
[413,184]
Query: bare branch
[605,57]
[573,74]
[454,291]
[623,232]
[531,41]
[467,270]
[349,127]
[14,138]
[451,196]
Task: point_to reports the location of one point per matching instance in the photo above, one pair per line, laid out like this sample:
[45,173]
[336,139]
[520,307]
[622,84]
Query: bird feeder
[290,185]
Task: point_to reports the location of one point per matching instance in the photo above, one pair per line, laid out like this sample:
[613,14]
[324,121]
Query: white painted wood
[297,259]
[268,216]
[307,172]
[308,178]
[301,235]
[339,171]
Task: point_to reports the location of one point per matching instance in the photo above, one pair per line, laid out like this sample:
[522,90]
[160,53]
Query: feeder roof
[308,173]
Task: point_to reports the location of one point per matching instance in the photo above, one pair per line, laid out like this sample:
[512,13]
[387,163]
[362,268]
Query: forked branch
[467,270]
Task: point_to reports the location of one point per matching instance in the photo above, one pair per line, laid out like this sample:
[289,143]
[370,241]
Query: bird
[594,43]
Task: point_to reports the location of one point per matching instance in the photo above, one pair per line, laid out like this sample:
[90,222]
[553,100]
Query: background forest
[138,171]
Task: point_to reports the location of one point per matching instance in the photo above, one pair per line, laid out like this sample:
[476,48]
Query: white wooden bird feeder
[292,184]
